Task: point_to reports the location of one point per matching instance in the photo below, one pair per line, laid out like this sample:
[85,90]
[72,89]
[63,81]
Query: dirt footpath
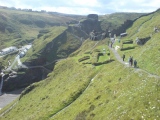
[8,97]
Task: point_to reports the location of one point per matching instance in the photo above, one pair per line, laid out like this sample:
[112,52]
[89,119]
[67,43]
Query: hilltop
[20,27]
[92,84]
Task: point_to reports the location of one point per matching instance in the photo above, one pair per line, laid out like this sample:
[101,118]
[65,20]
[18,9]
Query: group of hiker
[131,61]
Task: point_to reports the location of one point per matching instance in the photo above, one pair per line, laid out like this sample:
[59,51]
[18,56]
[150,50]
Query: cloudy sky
[85,7]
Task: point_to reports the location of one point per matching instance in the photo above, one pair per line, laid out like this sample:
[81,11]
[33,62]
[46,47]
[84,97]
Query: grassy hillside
[91,84]
[77,91]
[19,27]
[115,20]
[147,55]
[52,44]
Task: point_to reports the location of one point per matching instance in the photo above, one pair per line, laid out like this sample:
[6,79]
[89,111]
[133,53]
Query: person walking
[131,61]
[135,63]
[123,57]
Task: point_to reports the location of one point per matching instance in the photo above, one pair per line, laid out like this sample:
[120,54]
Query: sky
[84,7]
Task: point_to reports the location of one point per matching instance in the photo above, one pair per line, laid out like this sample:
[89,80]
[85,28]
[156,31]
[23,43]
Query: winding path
[76,98]
[118,57]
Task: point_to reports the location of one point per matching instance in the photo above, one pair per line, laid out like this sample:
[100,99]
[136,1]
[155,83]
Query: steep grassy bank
[115,20]
[147,54]
[53,44]
[78,91]
[63,86]
[123,94]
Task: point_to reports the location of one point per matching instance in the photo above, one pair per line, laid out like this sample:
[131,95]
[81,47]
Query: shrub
[97,50]
[87,63]
[84,58]
[101,63]
[127,48]
[128,42]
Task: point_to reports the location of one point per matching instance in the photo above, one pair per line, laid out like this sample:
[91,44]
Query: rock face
[123,27]
[58,48]
[22,80]
[77,31]
[142,41]
[90,24]
[93,17]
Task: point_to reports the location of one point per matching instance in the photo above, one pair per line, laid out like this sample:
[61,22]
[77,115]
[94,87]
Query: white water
[1,83]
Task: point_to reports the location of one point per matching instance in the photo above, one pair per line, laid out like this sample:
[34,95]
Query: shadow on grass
[127,48]
[128,42]
[99,63]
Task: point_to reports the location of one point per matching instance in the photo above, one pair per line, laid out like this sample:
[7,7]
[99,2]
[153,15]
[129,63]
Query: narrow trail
[145,22]
[83,90]
[76,98]
[95,45]
[141,26]
[118,57]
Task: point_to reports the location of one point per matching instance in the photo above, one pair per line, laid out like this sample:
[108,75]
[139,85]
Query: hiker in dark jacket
[131,61]
[135,63]
[123,57]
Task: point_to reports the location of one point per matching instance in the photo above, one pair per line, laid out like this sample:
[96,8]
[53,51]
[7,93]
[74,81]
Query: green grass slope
[19,27]
[147,55]
[52,44]
[77,91]
[115,20]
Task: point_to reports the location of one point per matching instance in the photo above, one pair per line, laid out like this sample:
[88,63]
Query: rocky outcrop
[93,17]
[77,31]
[22,80]
[90,24]
[142,41]
[122,28]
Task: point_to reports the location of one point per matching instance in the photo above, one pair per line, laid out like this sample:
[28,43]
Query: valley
[73,72]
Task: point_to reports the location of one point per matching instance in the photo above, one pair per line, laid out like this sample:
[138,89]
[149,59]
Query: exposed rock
[93,17]
[142,41]
[77,32]
[22,80]
[123,27]
[90,25]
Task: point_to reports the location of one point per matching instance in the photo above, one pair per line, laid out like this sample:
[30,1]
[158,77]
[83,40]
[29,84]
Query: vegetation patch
[128,42]
[83,58]
[127,48]
[101,63]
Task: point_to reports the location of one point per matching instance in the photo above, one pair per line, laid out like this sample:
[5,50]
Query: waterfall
[1,83]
